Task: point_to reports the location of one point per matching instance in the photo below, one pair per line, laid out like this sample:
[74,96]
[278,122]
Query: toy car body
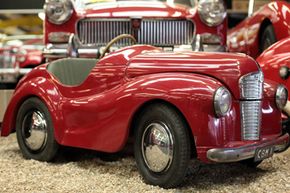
[176,105]
[275,63]
[171,26]
[18,55]
[266,26]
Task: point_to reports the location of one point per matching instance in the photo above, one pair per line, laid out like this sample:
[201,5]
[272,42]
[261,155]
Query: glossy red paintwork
[273,58]
[245,36]
[138,9]
[98,113]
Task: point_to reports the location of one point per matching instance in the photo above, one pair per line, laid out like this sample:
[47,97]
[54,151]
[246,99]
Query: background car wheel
[162,146]
[268,38]
[250,163]
[34,130]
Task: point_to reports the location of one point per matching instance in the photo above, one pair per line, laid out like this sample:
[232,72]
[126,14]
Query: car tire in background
[268,38]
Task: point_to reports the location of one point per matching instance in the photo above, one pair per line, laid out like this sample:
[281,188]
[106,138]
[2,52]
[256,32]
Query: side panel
[102,122]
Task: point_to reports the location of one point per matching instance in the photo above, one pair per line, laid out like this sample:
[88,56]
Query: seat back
[71,71]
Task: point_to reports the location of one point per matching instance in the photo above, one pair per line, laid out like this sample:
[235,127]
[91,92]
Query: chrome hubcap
[157,147]
[34,130]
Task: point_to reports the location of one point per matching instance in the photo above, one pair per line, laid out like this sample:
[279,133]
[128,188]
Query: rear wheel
[34,130]
[268,38]
[162,146]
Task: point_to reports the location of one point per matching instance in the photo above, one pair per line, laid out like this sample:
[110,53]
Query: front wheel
[162,146]
[34,130]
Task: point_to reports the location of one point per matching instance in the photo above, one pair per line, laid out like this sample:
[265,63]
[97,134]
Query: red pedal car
[269,24]
[275,63]
[176,106]
[179,25]
[18,55]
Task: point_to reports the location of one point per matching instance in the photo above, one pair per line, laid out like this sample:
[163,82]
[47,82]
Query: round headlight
[212,12]
[284,72]
[222,101]
[281,96]
[58,11]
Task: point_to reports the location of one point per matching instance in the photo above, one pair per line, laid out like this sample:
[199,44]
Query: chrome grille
[251,89]
[154,32]
[251,119]
[251,85]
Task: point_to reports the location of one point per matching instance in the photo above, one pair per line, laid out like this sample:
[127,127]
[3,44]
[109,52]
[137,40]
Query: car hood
[226,67]
[137,9]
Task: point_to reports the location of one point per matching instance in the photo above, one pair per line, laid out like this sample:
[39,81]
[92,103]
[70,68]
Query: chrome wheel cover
[157,147]
[34,130]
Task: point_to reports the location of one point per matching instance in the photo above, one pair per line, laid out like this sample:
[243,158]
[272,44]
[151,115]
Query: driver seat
[71,71]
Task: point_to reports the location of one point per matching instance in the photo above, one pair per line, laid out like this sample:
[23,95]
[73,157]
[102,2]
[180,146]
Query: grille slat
[251,89]
[154,32]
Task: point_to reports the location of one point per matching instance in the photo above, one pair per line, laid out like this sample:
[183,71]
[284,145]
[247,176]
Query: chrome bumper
[11,75]
[223,155]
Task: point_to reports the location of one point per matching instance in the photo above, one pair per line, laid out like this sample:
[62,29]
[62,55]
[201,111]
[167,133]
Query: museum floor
[83,171]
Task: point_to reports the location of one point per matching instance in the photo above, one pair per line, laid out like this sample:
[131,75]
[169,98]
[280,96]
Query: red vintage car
[171,25]
[18,55]
[176,107]
[275,63]
[266,26]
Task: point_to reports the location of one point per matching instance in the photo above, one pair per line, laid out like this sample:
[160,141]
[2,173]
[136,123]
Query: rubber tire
[182,146]
[49,151]
[251,163]
[268,37]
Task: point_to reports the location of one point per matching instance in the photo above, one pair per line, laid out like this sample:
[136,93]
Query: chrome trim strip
[223,155]
[15,71]
[90,37]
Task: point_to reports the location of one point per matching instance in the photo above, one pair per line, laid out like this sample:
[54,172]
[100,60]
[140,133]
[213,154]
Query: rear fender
[39,87]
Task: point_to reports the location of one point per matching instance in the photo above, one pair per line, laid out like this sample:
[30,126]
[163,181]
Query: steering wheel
[116,39]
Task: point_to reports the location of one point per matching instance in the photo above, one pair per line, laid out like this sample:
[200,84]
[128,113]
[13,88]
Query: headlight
[284,72]
[281,96]
[222,101]
[212,12]
[58,11]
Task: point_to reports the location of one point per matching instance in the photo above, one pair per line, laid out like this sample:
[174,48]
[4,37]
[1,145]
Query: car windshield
[89,3]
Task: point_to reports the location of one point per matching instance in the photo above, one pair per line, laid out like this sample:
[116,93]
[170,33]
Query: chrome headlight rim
[51,6]
[219,111]
[281,96]
[208,20]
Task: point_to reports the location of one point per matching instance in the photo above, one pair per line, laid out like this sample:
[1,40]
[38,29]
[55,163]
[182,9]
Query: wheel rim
[34,130]
[157,147]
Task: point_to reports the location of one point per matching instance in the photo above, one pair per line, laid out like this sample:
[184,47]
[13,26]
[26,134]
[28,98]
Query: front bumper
[12,75]
[223,155]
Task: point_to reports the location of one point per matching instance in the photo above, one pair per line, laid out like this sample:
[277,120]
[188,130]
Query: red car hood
[225,67]
[137,9]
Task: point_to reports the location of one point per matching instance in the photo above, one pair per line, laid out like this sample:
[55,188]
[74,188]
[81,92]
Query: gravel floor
[79,171]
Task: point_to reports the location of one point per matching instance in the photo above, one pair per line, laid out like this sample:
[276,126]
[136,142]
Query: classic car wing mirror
[284,72]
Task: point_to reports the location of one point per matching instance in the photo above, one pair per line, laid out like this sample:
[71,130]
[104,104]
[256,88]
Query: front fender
[39,87]
[192,94]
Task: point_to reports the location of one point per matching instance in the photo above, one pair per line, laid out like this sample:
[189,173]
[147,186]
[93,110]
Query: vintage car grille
[154,32]
[251,89]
